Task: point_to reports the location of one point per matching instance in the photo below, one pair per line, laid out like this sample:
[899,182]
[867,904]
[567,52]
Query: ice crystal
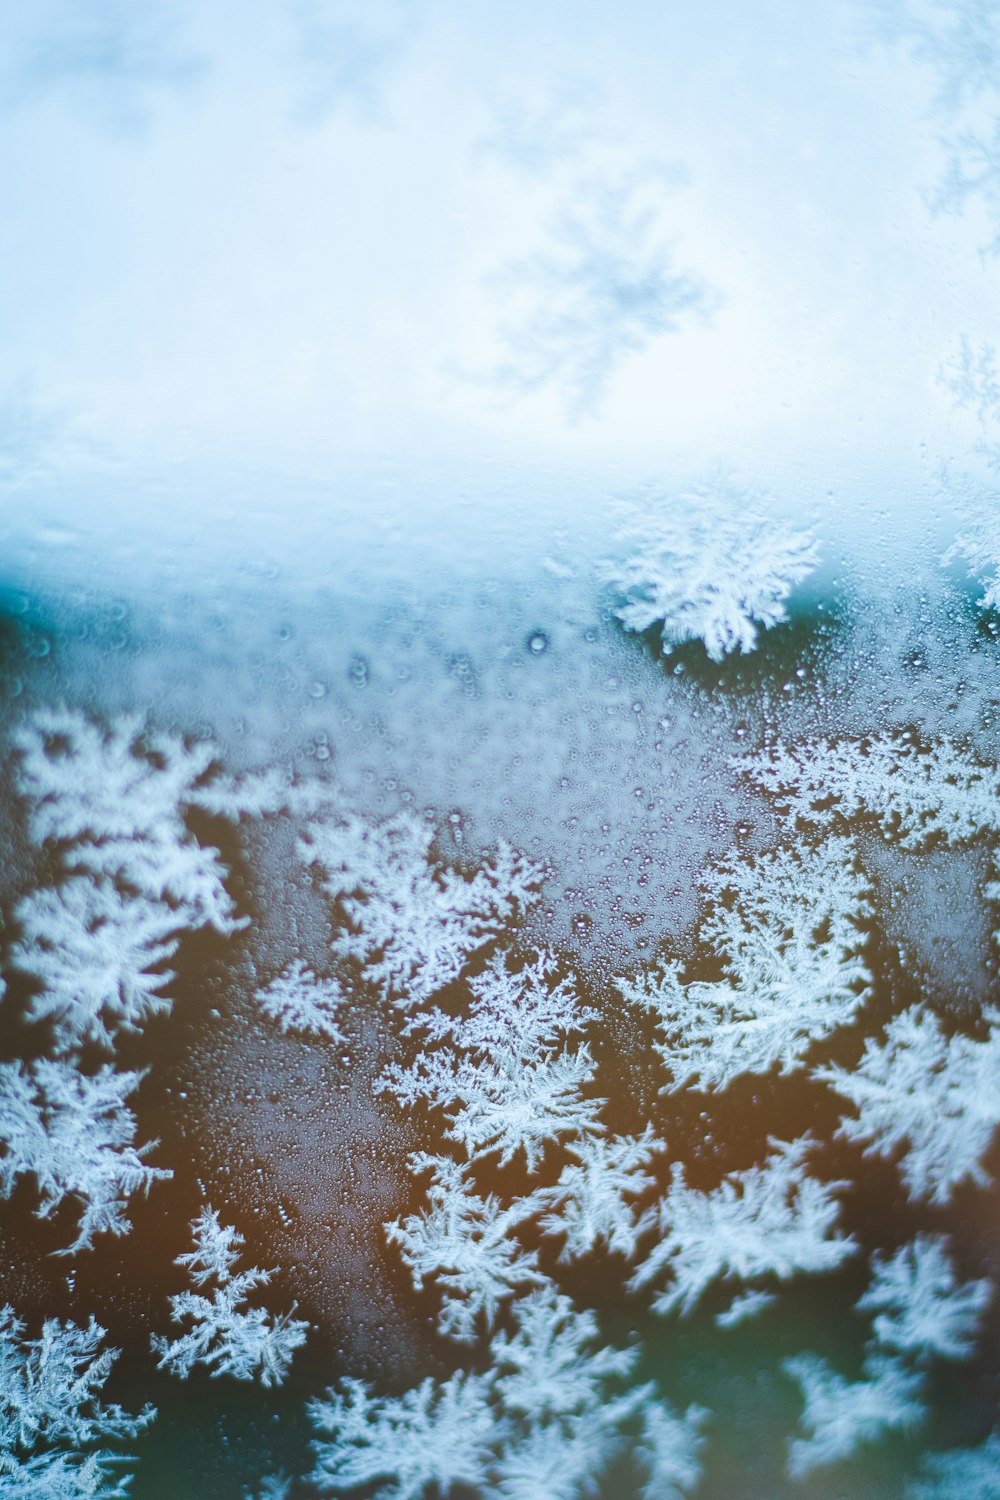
[74,1133]
[709,567]
[917,793]
[438,1434]
[51,1412]
[960,1474]
[547,1367]
[978,544]
[467,1243]
[412,922]
[98,957]
[298,1001]
[788,927]
[774,1220]
[508,1089]
[840,1415]
[226,1336]
[670,1449]
[936,1095]
[114,802]
[923,1309]
[591,1194]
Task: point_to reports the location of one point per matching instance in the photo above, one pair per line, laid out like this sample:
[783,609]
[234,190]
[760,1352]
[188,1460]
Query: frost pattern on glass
[839,1415]
[922,1309]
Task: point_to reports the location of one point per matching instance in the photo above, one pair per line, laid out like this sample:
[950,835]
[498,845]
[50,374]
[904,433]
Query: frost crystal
[788,926]
[960,1474]
[413,923]
[74,1134]
[591,1193]
[925,1311]
[50,1412]
[916,793]
[979,546]
[547,1368]
[708,569]
[116,800]
[466,1242]
[670,1450]
[99,958]
[298,1001]
[938,1095]
[509,1089]
[436,1434]
[773,1220]
[840,1415]
[227,1337]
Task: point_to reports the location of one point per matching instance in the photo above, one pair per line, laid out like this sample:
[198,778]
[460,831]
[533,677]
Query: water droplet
[538,642]
[359,671]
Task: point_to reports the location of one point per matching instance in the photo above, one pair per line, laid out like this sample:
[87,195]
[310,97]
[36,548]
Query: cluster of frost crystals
[937,1095]
[590,1203]
[839,1414]
[113,800]
[499,1071]
[51,1414]
[413,923]
[978,545]
[922,1309]
[546,1419]
[226,1336]
[917,793]
[74,1134]
[769,1221]
[468,1244]
[298,1001]
[789,929]
[709,567]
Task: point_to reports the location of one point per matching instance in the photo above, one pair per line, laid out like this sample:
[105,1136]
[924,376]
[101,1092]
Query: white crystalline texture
[542,1424]
[466,1242]
[922,1308]
[99,958]
[114,801]
[226,1335]
[412,922]
[960,1474]
[917,793]
[773,1221]
[709,568]
[840,1415]
[438,1434]
[590,1199]
[499,1074]
[979,547]
[298,1001]
[934,1095]
[789,927]
[74,1134]
[51,1414]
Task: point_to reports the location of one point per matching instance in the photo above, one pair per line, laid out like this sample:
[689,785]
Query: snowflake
[979,546]
[708,569]
[466,1242]
[546,1369]
[74,1134]
[512,1090]
[50,1411]
[924,1309]
[299,1001]
[590,1195]
[439,1433]
[413,924]
[788,926]
[917,794]
[226,1336]
[939,1094]
[839,1415]
[114,801]
[99,957]
[773,1220]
